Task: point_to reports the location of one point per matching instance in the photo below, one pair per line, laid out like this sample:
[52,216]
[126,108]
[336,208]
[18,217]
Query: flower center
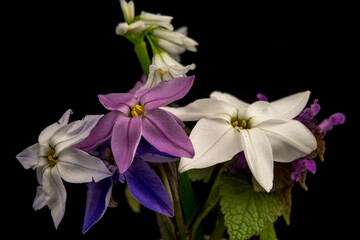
[243,124]
[137,111]
[53,158]
[162,72]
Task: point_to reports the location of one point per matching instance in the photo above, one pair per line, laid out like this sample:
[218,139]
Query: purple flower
[261,97]
[144,184]
[308,114]
[301,166]
[239,164]
[328,124]
[136,115]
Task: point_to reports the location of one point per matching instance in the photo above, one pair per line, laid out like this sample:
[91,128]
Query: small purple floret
[261,97]
[328,124]
[308,114]
[239,164]
[301,166]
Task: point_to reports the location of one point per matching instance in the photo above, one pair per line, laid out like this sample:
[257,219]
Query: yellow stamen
[234,124]
[162,72]
[53,158]
[243,124]
[137,111]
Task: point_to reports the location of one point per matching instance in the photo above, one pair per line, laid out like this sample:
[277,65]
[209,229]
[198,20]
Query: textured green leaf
[247,212]
[268,234]
[282,178]
[286,197]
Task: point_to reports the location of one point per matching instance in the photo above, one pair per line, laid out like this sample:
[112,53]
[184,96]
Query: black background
[61,54]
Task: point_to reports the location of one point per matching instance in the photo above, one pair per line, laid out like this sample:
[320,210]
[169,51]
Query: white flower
[133,28]
[140,23]
[156,19]
[54,159]
[164,67]
[174,37]
[266,132]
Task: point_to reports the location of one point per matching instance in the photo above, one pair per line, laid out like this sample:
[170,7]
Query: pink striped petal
[165,92]
[164,133]
[125,139]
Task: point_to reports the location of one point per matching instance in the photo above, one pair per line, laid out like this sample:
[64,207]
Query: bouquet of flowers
[250,155]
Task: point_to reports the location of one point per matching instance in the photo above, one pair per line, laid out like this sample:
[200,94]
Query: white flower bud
[128,9]
[122,28]
[157,20]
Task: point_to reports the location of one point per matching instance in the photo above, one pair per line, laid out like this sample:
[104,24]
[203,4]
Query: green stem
[219,230]
[166,182]
[176,204]
[154,48]
[167,228]
[179,219]
[143,56]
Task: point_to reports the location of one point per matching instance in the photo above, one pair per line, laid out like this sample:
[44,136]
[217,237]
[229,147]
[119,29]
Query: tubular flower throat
[243,124]
[162,72]
[53,158]
[137,111]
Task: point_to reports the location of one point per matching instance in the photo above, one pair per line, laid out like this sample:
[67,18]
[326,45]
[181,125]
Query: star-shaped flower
[265,131]
[55,159]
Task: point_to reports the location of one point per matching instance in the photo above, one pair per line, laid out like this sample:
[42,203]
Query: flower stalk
[175,198]
[179,219]
[143,56]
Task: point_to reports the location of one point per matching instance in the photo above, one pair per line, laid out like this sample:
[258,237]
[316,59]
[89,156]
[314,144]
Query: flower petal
[65,117]
[122,102]
[150,154]
[50,130]
[72,133]
[215,141]
[76,166]
[100,133]
[39,201]
[147,188]
[29,157]
[164,133]
[97,201]
[228,98]
[259,156]
[178,120]
[289,140]
[55,194]
[165,92]
[156,19]
[125,139]
[286,108]
[204,108]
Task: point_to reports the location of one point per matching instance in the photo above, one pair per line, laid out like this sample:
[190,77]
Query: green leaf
[268,234]
[282,178]
[246,211]
[133,203]
[187,196]
[202,174]
[286,197]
